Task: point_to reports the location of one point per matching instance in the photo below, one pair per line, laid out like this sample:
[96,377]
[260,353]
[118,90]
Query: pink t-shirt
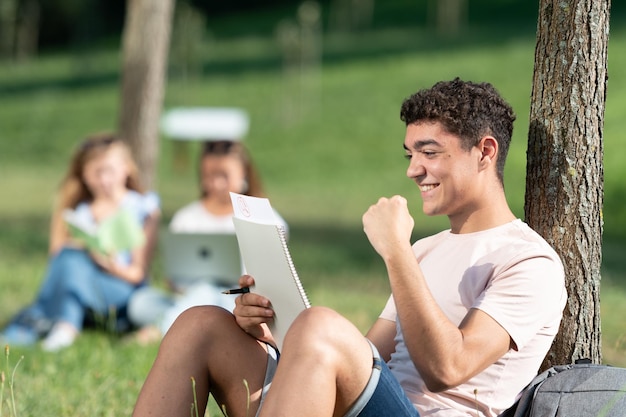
[510,273]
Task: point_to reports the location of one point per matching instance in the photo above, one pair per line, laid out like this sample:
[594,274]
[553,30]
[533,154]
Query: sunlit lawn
[326,152]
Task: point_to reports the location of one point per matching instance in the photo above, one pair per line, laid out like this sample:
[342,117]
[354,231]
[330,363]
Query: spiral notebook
[263,247]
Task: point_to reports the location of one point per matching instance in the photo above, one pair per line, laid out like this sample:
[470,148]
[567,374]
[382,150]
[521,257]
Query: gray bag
[576,390]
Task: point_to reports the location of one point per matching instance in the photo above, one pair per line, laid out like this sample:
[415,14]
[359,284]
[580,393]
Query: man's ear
[488,146]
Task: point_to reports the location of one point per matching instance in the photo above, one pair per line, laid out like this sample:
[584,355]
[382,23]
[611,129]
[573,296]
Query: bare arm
[382,334]
[444,354]
[59,234]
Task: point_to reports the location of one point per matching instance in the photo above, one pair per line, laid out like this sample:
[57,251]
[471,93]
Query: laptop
[190,258]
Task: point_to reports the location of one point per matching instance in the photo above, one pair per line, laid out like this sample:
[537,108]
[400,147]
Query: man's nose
[416,168]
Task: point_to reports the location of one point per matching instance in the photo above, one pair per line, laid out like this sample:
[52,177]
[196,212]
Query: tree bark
[448,16]
[564,174]
[27,39]
[8,28]
[145,48]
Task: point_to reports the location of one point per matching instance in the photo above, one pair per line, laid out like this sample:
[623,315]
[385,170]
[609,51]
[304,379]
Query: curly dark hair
[466,109]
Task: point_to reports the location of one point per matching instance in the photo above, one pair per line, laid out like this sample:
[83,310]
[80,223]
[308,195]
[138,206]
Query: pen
[243,290]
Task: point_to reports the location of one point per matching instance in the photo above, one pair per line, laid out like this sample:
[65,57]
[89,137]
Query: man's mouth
[428,187]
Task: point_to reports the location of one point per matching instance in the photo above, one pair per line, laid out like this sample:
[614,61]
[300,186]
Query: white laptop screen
[195,257]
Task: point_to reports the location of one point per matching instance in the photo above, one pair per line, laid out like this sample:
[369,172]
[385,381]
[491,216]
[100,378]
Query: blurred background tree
[189,41]
[351,15]
[145,48]
[448,17]
[19,21]
[54,24]
[300,42]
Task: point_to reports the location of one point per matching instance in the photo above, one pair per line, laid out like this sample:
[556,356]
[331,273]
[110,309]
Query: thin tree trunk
[448,16]
[564,182]
[8,28]
[145,48]
[27,40]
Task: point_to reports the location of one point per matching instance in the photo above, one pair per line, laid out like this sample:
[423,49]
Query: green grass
[325,157]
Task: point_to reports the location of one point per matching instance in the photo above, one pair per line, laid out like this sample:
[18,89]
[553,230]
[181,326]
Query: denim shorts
[382,396]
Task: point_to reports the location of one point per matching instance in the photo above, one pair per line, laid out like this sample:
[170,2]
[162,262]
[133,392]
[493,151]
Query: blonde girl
[102,180]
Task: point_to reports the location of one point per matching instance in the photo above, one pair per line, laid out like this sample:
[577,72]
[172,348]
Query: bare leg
[325,365]
[206,344]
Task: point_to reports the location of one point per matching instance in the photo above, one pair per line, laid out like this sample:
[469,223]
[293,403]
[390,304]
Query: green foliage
[325,155]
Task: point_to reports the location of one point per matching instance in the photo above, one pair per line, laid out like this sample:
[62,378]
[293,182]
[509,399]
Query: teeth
[425,188]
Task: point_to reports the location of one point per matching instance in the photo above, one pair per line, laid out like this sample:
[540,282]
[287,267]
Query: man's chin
[430,211]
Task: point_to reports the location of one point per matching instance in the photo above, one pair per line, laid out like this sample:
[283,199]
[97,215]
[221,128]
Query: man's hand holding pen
[253,311]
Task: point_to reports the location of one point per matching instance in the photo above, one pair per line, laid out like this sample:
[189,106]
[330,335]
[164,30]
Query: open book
[118,232]
[263,247]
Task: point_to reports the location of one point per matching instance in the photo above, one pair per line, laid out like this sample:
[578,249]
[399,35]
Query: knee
[196,331]
[71,256]
[202,321]
[316,318]
[319,326]
[325,338]
[71,264]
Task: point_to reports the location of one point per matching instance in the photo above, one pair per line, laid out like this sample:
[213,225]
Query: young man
[472,313]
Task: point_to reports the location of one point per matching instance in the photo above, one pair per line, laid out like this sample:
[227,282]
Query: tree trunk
[564,174]
[145,47]
[448,16]
[8,28]
[27,39]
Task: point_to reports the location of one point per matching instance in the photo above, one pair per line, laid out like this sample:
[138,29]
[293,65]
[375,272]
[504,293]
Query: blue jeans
[382,396]
[75,284]
[388,398]
[152,306]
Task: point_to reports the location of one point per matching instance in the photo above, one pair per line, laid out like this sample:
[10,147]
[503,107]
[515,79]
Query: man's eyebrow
[419,144]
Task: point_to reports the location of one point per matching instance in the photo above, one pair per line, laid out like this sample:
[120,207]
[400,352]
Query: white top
[194,218]
[510,273]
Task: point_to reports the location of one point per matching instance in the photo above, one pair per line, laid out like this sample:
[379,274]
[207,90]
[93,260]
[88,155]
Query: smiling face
[221,174]
[449,177]
[106,174]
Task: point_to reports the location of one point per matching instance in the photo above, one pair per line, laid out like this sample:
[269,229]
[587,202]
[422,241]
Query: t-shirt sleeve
[389,312]
[526,297]
[151,203]
[141,206]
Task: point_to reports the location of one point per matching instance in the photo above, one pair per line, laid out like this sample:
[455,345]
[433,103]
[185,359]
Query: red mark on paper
[243,206]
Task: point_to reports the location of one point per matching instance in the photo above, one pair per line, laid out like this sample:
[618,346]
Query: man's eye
[408,156]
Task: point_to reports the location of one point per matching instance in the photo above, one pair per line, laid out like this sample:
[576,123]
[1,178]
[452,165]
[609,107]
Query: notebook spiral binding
[283,241]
